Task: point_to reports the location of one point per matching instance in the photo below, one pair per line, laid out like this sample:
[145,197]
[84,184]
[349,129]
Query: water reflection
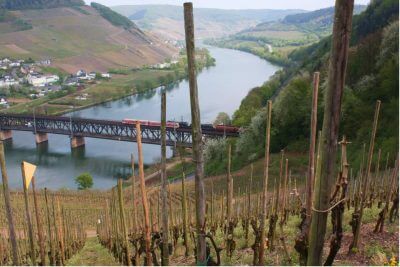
[221,88]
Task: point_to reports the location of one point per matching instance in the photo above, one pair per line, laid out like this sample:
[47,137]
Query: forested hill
[372,74]
[38,4]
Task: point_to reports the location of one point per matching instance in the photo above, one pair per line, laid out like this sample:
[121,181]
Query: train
[184,125]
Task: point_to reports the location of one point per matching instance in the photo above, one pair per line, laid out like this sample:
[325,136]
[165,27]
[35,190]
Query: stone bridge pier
[77,141]
[5,135]
[41,138]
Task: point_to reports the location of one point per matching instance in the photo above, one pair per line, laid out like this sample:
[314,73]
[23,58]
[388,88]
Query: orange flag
[28,169]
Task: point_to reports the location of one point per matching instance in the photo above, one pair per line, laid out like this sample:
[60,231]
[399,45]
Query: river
[221,88]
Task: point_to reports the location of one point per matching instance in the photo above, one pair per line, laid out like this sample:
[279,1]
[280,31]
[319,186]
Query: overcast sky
[235,4]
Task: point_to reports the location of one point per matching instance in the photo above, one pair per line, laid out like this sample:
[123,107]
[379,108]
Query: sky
[235,4]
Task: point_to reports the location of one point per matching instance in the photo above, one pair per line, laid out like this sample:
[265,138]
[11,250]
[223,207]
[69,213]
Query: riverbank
[275,55]
[125,82]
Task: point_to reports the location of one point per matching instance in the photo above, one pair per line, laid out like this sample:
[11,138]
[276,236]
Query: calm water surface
[221,88]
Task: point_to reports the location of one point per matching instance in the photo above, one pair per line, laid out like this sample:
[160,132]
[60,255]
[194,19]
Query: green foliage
[215,156]
[112,16]
[222,118]
[39,4]
[84,181]
[22,25]
[372,74]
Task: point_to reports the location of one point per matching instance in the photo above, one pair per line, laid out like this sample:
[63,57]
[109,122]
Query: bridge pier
[41,138]
[5,135]
[77,141]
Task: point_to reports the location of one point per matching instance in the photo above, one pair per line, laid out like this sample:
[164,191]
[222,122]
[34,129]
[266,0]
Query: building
[39,80]
[105,75]
[8,81]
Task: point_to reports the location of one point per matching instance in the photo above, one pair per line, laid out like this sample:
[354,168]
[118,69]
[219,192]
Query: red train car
[226,128]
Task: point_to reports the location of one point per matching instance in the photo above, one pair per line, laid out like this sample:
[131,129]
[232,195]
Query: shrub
[84,181]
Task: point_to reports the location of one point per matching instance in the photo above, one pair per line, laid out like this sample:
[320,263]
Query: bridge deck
[103,129]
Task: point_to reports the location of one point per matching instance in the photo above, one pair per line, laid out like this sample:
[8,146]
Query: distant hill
[318,22]
[274,40]
[38,4]
[167,20]
[77,37]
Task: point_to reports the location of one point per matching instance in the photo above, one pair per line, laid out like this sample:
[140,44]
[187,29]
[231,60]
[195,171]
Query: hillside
[167,20]
[372,74]
[78,37]
[274,40]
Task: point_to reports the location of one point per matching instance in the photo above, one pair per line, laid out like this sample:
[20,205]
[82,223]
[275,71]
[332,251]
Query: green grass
[93,254]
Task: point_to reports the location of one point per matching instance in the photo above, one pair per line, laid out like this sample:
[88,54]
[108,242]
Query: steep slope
[167,20]
[79,37]
[372,74]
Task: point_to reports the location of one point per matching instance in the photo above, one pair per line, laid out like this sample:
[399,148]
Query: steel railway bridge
[79,128]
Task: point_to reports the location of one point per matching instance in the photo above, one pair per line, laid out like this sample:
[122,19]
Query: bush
[84,181]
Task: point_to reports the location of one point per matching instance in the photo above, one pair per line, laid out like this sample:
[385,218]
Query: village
[32,79]
[24,80]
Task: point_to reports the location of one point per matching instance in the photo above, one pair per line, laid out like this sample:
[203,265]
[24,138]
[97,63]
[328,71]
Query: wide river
[221,88]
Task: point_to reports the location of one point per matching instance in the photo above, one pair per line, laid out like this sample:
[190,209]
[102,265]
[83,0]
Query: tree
[84,181]
[222,118]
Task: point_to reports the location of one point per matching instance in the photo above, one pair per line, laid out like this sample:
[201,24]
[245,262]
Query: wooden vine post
[330,129]
[144,195]
[265,187]
[39,226]
[184,204]
[302,239]
[196,135]
[229,188]
[365,180]
[134,211]
[123,224]
[164,183]
[7,203]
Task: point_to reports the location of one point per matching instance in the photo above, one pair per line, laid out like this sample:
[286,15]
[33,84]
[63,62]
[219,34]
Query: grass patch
[93,254]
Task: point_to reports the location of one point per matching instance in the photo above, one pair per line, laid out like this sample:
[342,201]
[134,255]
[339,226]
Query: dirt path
[93,254]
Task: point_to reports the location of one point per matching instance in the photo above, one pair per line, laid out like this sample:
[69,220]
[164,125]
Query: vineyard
[283,209]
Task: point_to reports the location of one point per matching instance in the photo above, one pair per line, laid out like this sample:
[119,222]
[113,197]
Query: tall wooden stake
[184,205]
[229,188]
[39,226]
[302,239]
[197,135]
[265,185]
[123,223]
[330,129]
[365,180]
[144,195]
[135,222]
[164,178]
[7,203]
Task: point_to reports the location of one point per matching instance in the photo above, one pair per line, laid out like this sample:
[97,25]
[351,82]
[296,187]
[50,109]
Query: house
[46,62]
[105,75]
[72,81]
[14,64]
[39,80]
[81,73]
[92,75]
[8,81]
[3,101]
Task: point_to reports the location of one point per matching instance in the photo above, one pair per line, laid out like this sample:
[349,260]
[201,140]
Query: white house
[3,101]
[106,75]
[42,80]
[7,82]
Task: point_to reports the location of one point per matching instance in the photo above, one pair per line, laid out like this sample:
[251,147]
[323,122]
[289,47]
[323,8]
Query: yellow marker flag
[29,170]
